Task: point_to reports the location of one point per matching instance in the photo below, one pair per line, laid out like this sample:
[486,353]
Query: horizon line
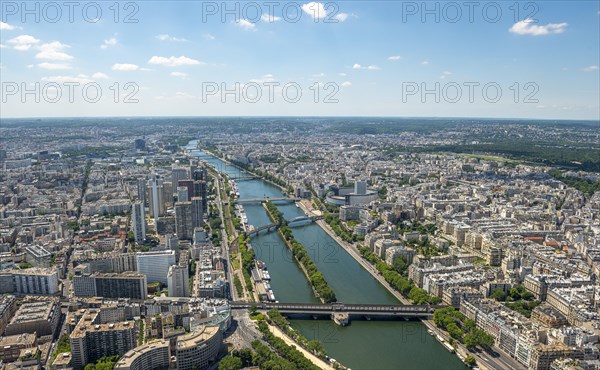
[298,116]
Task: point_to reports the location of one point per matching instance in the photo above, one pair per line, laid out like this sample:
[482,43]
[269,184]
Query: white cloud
[23,42]
[100,76]
[265,78]
[315,10]
[425,62]
[124,67]
[528,27]
[342,74]
[2,46]
[370,68]
[165,37]
[269,18]
[173,61]
[341,16]
[394,57]
[346,84]
[246,24]
[179,74]
[54,66]
[110,42]
[445,74]
[53,51]
[208,36]
[81,79]
[6,26]
[590,69]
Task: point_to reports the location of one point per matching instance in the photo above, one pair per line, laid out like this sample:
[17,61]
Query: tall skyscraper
[141,191]
[200,174]
[178,281]
[184,217]
[156,202]
[189,185]
[200,191]
[182,194]
[139,222]
[178,173]
[197,212]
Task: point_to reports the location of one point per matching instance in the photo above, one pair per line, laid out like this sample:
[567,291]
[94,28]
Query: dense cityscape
[265,185]
[299,243]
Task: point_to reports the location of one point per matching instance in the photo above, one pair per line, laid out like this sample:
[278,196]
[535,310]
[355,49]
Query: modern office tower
[125,285]
[184,216]
[42,281]
[92,340]
[200,174]
[200,191]
[189,185]
[155,200]
[198,349]
[360,187]
[178,281]
[168,196]
[178,173]
[182,194]
[172,243]
[197,213]
[141,191]
[155,265]
[139,222]
[2,154]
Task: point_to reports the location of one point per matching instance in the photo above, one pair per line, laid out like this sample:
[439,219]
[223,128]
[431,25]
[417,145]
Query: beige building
[41,317]
[151,356]
[198,349]
[11,346]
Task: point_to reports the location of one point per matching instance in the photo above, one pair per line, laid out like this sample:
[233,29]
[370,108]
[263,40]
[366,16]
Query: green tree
[230,363]
[498,294]
[400,264]
[470,360]
[315,346]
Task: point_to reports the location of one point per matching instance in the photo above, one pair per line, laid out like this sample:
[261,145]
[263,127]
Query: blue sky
[375,58]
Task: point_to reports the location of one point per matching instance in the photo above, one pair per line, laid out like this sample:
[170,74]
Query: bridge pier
[341,318]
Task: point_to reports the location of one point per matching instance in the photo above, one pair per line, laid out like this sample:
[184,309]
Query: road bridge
[351,310]
[264,200]
[294,222]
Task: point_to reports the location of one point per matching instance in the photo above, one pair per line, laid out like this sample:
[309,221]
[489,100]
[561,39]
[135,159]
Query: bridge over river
[341,312]
[281,200]
[296,221]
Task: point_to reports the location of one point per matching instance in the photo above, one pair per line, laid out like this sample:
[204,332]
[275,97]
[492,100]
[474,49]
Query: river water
[375,344]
